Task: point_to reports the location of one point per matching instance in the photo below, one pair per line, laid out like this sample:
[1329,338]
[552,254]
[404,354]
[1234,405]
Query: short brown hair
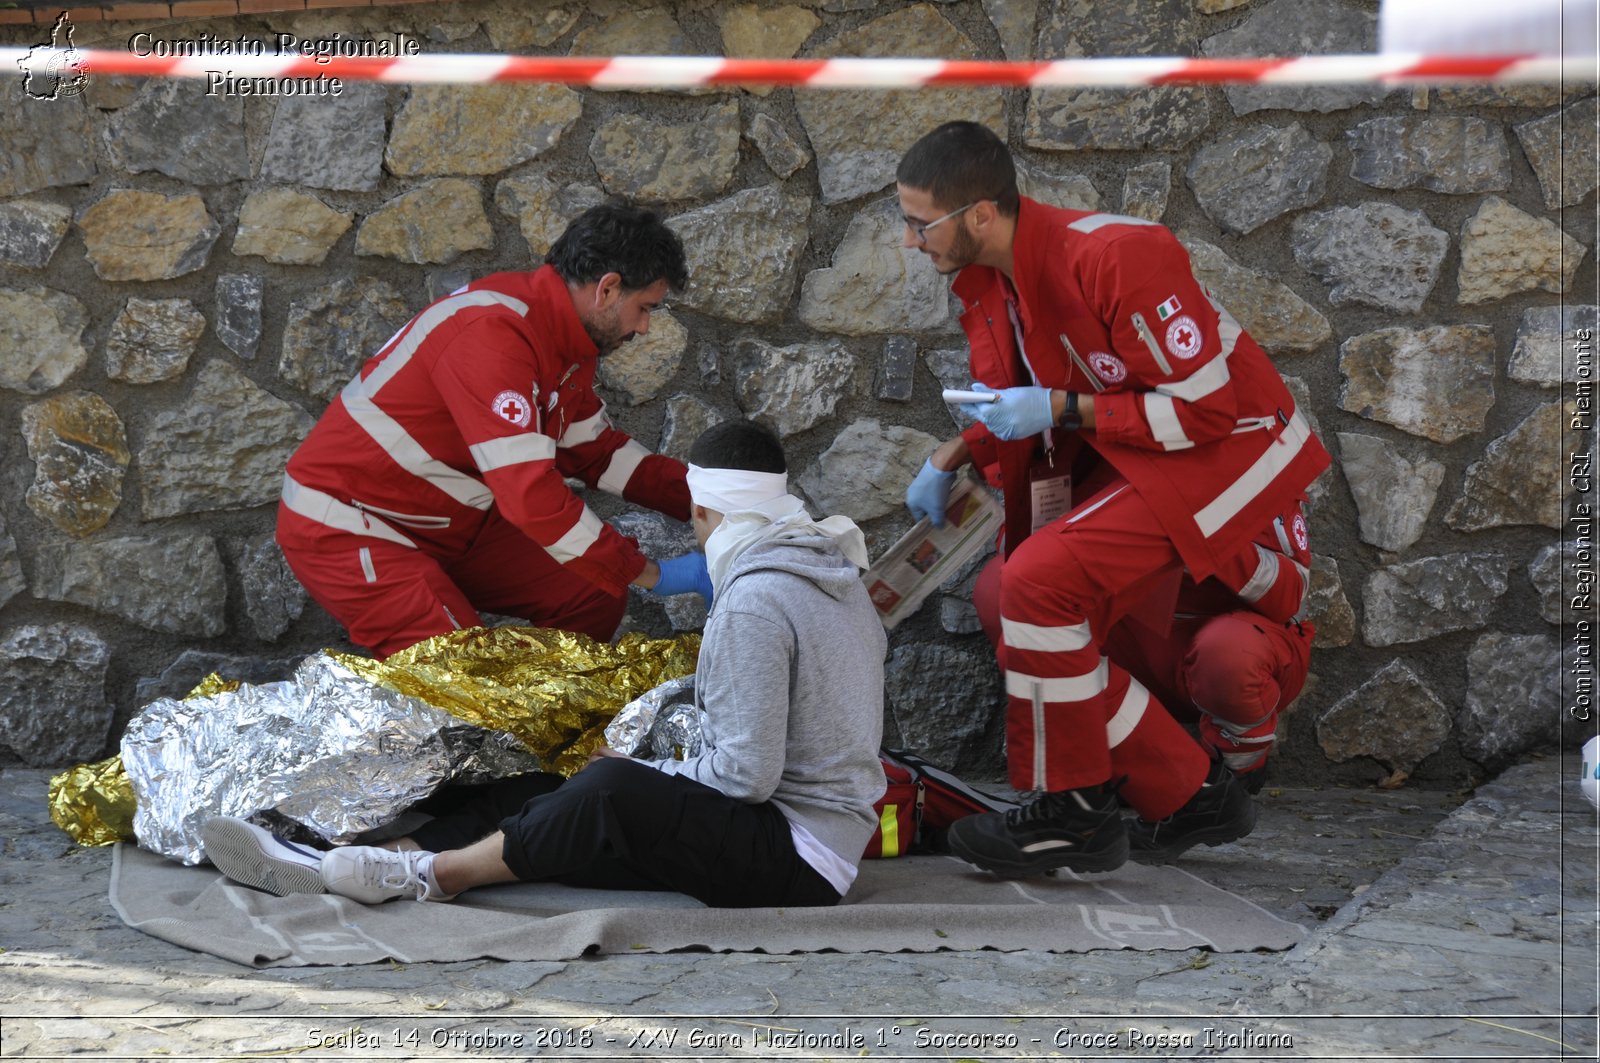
[960,163]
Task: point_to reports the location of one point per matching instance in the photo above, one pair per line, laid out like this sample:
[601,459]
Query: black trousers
[620,824]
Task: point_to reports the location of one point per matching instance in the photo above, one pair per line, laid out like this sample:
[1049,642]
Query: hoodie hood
[814,558]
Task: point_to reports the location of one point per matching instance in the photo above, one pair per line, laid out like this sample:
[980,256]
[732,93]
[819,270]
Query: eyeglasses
[920,231]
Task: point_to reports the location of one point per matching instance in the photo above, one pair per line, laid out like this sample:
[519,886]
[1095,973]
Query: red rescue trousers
[391,596]
[1074,717]
[1079,659]
[1230,675]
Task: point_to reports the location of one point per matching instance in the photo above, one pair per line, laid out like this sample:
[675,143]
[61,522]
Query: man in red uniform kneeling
[1229,657]
[1097,340]
[434,485]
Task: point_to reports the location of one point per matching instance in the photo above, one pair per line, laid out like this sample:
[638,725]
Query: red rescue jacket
[1271,575]
[484,399]
[1187,407]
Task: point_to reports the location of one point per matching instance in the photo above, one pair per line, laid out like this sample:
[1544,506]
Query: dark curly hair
[620,238]
[961,162]
[738,445]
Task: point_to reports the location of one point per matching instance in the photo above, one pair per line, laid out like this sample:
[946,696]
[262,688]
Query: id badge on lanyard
[1051,490]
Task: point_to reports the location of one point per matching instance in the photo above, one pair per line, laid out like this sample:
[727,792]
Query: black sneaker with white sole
[1080,830]
[1221,811]
[254,856]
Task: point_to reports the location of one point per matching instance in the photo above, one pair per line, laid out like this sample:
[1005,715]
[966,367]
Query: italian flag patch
[1168,308]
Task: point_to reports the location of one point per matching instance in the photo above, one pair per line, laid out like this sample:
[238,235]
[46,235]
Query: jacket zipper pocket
[409,520]
[1149,338]
[1251,424]
[1094,381]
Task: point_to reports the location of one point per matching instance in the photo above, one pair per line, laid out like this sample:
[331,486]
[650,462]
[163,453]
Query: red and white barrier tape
[678,72]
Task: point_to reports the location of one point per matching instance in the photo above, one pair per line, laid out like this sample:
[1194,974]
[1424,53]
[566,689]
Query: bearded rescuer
[434,485]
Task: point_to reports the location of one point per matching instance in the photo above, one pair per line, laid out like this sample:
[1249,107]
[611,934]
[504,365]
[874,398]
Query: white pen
[952,395]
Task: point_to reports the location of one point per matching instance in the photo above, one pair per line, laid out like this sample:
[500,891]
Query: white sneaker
[371,875]
[256,857]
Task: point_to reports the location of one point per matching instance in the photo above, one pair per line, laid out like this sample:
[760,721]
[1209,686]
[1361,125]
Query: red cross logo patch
[1297,528]
[511,406]
[1183,337]
[1108,367]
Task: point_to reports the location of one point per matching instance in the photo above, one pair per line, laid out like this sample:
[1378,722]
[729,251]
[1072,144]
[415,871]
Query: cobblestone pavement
[1436,932]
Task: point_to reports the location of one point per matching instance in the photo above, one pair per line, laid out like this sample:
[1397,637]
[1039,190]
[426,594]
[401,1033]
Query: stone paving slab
[1434,932]
[1494,912]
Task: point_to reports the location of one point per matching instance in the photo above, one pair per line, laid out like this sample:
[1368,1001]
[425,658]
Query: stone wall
[186,280]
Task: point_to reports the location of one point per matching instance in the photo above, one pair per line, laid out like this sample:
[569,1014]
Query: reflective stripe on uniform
[585,431]
[1228,328]
[1059,688]
[404,450]
[1100,221]
[582,535]
[1305,589]
[512,450]
[1265,575]
[1209,378]
[1128,714]
[1236,731]
[1165,428]
[1020,636]
[326,510]
[360,399]
[395,358]
[1280,453]
[620,469]
[1243,761]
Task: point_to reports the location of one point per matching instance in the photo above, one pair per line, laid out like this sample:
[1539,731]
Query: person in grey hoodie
[774,811]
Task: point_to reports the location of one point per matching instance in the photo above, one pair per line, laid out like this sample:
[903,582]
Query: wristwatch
[1070,418]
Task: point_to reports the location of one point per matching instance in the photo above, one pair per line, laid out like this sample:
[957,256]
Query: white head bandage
[756,507]
[734,490]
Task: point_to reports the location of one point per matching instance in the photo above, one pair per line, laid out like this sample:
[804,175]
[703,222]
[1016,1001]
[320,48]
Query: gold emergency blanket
[93,802]
[350,742]
[553,690]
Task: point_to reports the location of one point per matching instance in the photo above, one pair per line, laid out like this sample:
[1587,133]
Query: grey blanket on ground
[913,904]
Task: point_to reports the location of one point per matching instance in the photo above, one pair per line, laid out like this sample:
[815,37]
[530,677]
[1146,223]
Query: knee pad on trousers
[1231,670]
[1240,670]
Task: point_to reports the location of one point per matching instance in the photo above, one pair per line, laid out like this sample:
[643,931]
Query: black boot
[1220,811]
[1080,830]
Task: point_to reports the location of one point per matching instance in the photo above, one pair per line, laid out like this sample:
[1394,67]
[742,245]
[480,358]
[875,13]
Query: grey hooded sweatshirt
[790,684]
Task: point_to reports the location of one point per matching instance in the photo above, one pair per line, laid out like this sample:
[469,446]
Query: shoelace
[1049,809]
[1040,809]
[391,872]
[1051,806]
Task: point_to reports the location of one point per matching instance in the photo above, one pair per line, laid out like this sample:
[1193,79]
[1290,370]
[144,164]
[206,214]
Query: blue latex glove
[1017,414]
[929,494]
[684,575]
